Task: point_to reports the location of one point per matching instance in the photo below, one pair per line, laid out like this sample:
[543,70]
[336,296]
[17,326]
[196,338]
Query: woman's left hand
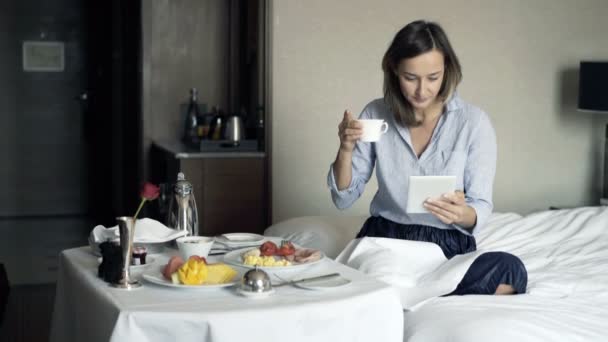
[451,208]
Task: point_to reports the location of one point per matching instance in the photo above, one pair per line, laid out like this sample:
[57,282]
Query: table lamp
[593,97]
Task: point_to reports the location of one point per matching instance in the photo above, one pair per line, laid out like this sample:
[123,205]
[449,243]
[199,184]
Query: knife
[305,280]
[224,250]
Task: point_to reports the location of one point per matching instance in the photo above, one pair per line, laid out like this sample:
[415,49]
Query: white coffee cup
[373,129]
[194,245]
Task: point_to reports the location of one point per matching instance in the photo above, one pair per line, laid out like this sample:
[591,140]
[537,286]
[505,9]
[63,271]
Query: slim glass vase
[126,228]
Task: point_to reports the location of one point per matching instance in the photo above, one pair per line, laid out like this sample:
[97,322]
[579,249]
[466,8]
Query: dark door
[44,174]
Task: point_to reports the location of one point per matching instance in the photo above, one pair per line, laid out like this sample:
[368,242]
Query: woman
[431,132]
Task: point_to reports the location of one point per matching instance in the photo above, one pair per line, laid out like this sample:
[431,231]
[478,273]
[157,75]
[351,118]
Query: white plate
[154,275]
[149,261]
[325,284]
[239,239]
[234,258]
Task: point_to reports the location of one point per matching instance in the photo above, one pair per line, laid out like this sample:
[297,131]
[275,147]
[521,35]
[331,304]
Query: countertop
[211,150]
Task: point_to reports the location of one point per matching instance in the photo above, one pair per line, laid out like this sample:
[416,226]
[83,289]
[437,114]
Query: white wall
[520,62]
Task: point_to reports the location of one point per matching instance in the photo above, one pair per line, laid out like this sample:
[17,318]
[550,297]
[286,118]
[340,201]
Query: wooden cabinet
[230,188]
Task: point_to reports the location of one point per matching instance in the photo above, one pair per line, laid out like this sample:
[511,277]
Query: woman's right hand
[349,131]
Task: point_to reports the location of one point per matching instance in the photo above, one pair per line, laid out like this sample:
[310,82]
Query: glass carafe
[182,208]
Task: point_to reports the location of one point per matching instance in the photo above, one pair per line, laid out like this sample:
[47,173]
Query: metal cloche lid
[182,186]
[256,281]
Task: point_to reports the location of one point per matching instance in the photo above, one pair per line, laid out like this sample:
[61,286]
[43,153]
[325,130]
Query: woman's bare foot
[504,289]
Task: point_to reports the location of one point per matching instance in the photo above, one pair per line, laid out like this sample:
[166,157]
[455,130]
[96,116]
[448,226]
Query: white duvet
[566,255]
[418,270]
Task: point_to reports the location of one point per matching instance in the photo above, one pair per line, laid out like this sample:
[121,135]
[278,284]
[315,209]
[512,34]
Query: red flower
[149,192]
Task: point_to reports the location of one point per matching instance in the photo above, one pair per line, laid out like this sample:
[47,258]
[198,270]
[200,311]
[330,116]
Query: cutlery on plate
[224,250]
[219,252]
[304,280]
[221,248]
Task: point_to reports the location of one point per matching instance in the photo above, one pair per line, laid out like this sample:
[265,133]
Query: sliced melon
[219,273]
[175,278]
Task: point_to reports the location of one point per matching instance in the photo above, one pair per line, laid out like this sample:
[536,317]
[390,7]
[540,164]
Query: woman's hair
[413,40]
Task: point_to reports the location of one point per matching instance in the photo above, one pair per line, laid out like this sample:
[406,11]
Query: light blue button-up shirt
[463,144]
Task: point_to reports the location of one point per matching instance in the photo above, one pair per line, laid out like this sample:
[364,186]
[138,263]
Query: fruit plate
[154,275]
[235,258]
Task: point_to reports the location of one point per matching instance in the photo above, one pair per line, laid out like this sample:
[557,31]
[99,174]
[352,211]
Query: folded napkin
[146,231]
[418,270]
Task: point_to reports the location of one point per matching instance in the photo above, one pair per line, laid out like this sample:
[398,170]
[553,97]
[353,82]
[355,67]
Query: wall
[520,62]
[184,45]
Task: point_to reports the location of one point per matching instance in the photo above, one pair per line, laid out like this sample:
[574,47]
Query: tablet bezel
[423,187]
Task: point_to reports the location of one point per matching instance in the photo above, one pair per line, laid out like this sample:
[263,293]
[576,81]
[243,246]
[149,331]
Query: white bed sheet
[565,253]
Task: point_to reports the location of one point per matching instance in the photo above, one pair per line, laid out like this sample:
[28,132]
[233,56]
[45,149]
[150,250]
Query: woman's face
[420,78]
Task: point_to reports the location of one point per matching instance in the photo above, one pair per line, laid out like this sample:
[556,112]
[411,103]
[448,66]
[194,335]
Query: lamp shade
[593,86]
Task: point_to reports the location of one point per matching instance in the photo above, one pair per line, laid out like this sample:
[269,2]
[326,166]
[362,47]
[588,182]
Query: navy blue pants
[485,273]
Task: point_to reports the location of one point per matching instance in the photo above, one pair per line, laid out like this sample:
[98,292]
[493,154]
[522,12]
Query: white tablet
[423,187]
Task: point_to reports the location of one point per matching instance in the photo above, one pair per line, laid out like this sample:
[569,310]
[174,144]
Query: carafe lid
[182,186]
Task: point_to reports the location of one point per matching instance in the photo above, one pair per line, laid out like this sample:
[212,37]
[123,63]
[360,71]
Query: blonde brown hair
[414,39]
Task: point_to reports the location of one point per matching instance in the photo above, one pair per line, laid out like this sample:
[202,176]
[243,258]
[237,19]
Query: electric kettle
[234,130]
[182,208]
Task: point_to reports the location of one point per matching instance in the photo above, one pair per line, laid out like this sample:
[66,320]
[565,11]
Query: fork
[224,248]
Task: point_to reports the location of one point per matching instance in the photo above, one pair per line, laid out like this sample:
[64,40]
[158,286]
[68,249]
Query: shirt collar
[454,103]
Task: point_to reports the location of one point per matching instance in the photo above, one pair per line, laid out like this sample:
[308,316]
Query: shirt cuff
[481,214]
[331,183]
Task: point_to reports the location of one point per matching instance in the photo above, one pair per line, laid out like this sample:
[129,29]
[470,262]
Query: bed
[565,252]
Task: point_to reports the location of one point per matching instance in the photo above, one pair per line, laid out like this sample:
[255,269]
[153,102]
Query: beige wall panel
[520,62]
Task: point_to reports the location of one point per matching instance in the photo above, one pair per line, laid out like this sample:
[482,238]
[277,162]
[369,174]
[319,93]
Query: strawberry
[286,248]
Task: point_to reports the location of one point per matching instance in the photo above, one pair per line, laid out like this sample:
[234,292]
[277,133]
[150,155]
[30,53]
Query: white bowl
[194,245]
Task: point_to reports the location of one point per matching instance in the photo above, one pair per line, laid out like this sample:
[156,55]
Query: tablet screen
[423,187]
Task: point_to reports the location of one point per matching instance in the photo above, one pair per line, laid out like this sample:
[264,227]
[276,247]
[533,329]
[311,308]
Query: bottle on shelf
[216,131]
[204,123]
[191,125]
[207,123]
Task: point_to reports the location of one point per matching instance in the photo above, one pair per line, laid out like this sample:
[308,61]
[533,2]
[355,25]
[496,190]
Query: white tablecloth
[87,309]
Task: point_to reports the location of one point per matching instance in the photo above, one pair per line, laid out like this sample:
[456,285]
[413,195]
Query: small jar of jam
[139,255]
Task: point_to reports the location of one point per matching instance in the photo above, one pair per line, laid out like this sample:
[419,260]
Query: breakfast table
[88,309]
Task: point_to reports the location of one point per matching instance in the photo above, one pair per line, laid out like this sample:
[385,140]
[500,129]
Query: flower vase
[126,229]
